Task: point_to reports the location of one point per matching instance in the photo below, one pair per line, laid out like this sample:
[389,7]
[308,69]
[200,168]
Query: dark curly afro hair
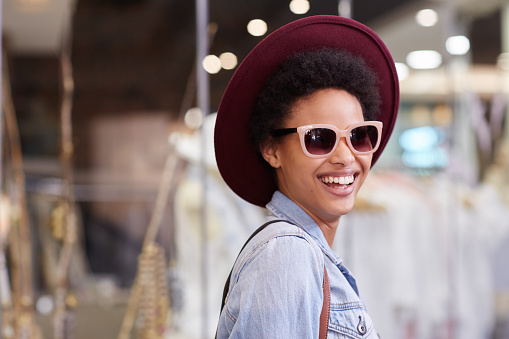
[305,73]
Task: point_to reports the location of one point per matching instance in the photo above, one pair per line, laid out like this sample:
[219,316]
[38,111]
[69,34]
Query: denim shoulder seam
[299,233]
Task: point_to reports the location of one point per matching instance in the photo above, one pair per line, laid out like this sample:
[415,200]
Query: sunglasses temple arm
[283,131]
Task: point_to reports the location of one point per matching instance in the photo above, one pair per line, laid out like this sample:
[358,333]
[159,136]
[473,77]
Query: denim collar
[284,208]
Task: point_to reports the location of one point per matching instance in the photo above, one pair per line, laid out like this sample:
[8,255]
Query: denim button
[361,328]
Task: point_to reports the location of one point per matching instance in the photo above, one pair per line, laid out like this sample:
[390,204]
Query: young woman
[302,121]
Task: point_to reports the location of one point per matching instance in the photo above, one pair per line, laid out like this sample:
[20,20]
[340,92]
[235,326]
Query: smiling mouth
[332,181]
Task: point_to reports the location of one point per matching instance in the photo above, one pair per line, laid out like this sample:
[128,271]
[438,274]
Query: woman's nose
[342,154]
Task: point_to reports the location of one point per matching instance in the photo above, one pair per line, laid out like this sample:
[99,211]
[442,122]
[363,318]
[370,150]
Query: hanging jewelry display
[18,317]
[168,182]
[64,311]
[154,301]
[5,286]
[151,264]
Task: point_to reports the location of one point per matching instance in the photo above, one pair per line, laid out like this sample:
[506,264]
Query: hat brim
[237,159]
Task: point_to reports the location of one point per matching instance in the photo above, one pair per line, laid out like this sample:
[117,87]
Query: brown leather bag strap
[324,315]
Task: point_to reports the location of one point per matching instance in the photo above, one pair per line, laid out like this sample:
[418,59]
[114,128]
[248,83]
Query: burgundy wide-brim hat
[237,159]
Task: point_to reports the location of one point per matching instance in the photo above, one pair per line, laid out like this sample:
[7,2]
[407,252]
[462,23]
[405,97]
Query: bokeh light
[211,64]
[402,70]
[193,118]
[257,27]
[426,17]
[425,59]
[457,45]
[299,6]
[228,60]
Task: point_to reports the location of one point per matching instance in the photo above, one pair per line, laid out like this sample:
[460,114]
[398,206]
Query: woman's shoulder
[276,282]
[283,242]
[283,231]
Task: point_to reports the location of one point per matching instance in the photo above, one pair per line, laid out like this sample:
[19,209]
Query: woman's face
[302,178]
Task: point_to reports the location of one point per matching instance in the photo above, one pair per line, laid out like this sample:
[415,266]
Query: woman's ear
[269,153]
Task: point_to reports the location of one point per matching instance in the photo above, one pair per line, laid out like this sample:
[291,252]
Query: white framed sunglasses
[320,140]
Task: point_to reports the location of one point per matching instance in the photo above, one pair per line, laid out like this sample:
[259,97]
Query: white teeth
[338,180]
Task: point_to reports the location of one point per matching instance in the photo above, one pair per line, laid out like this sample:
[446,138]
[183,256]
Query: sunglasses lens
[364,138]
[320,141]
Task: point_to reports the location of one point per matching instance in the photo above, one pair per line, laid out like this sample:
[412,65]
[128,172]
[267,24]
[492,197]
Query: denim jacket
[276,284]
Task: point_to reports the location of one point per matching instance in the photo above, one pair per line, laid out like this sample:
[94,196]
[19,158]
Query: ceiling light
[257,27]
[426,17]
[211,64]
[425,59]
[299,6]
[457,45]
[228,60]
[402,70]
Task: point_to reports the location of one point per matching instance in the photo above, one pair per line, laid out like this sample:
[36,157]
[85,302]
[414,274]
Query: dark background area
[138,56]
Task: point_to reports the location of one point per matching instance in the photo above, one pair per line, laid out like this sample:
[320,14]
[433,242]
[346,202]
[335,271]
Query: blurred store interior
[106,232]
